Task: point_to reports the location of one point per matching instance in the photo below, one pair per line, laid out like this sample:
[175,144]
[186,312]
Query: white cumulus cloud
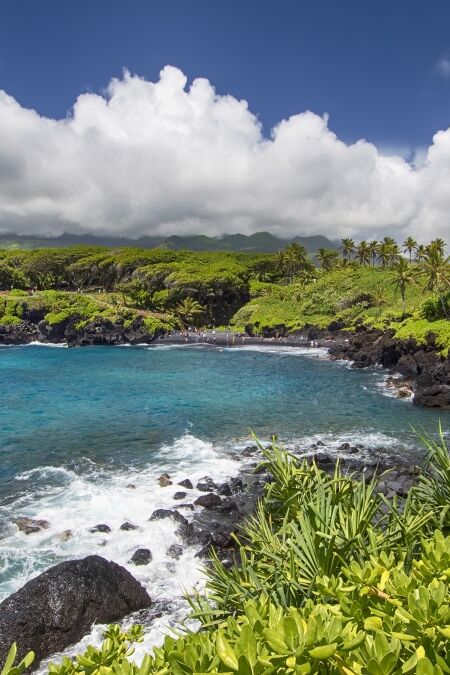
[166,157]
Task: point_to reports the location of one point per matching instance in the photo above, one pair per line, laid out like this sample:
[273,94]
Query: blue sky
[126,117]
[370,64]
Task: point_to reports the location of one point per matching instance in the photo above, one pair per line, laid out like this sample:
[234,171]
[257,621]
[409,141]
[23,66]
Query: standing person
[214,335]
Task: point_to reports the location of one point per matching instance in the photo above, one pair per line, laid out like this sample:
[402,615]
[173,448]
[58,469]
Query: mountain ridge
[259,242]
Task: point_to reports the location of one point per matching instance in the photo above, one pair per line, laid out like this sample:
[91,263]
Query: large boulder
[58,607]
[436,396]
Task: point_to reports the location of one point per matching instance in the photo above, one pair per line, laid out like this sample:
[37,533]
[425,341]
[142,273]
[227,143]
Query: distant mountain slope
[260,242]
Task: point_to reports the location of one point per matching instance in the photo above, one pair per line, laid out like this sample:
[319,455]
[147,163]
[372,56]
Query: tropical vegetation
[332,577]
[377,284]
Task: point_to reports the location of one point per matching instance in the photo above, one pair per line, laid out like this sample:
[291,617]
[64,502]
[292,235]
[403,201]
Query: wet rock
[225,490]
[237,485]
[208,500]
[206,484]
[180,495]
[344,447]
[228,505]
[249,451]
[66,535]
[194,534]
[102,527]
[58,607]
[164,480]
[131,486]
[322,458]
[175,551]
[173,514]
[31,525]
[141,557]
[186,484]
[436,396]
[404,392]
[126,526]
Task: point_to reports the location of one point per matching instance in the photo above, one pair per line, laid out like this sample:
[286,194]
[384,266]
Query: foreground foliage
[333,578]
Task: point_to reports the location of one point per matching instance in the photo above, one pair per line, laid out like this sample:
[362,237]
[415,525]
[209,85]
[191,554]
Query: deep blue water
[84,434]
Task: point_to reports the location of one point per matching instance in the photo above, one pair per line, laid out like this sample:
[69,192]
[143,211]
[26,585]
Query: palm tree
[189,310]
[327,258]
[421,252]
[298,251]
[379,298]
[409,245]
[280,262]
[293,258]
[394,252]
[437,244]
[291,262]
[363,252]
[384,252]
[373,249]
[403,277]
[436,269]
[348,247]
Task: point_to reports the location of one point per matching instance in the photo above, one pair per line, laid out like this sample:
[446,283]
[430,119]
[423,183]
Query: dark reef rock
[436,396]
[426,373]
[141,557]
[206,484]
[99,332]
[126,526]
[186,484]
[208,500]
[102,527]
[175,551]
[30,526]
[58,607]
[175,515]
[180,495]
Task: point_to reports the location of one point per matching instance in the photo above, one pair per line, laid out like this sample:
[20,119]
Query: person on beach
[214,335]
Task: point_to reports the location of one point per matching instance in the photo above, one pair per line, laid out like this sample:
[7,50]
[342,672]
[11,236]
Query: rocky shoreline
[416,370]
[57,608]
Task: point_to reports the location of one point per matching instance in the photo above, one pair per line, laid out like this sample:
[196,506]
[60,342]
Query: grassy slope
[343,295]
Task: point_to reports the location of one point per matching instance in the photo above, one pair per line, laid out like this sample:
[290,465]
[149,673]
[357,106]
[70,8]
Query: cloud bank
[164,158]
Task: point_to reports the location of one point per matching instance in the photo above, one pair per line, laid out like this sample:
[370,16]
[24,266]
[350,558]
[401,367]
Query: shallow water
[78,426]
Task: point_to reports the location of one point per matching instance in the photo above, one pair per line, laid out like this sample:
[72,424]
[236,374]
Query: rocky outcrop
[99,332]
[421,366]
[60,605]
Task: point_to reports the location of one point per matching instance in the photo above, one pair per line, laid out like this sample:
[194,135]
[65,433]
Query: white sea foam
[312,352]
[77,502]
[36,343]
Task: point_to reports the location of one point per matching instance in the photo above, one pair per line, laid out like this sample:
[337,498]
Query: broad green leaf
[324,652]
[225,652]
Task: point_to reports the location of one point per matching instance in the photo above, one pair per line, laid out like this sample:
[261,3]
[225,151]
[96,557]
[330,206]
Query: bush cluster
[333,578]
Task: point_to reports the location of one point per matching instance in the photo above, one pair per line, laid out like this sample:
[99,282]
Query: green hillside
[260,293]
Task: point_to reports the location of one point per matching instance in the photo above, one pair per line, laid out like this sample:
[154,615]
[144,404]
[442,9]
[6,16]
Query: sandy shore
[229,339]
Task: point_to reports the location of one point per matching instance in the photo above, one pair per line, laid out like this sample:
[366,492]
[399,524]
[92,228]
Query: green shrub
[333,579]
[9,320]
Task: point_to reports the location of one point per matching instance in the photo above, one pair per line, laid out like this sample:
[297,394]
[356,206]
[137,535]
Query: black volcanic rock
[141,557]
[58,607]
